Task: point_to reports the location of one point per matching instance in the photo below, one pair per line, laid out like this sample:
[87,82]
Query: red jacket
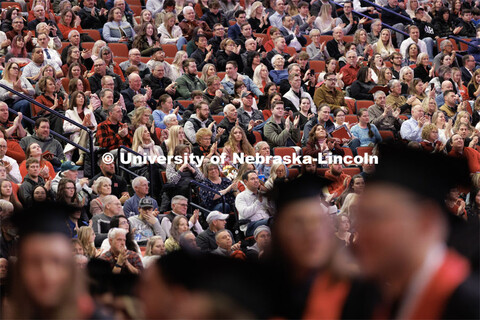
[472,156]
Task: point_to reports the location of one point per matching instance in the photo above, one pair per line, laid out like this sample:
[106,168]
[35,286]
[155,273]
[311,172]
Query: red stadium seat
[119,49]
[351,118]
[362,150]
[137,10]
[170,50]
[386,135]
[258,136]
[293,173]
[93,33]
[185,103]
[284,152]
[363,104]
[317,65]
[291,51]
[88,45]
[217,118]
[351,171]
[351,105]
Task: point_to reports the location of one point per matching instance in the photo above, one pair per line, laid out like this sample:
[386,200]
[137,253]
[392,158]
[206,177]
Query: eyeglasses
[17,22]
[98,65]
[333,79]
[182,204]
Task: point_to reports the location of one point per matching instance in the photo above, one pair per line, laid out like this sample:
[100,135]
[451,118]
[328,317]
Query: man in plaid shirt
[111,133]
[121,260]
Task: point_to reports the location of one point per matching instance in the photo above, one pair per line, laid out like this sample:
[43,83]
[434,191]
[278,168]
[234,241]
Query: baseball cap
[260,229]
[246,94]
[145,203]
[69,165]
[216,215]
[419,9]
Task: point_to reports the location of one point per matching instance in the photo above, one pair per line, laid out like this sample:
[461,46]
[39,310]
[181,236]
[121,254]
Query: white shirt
[250,207]
[166,224]
[54,56]
[14,174]
[403,47]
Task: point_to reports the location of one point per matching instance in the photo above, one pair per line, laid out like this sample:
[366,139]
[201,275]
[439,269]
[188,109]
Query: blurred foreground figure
[46,283]
[303,276]
[402,226]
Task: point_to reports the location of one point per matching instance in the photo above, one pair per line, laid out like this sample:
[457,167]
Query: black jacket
[223,58]
[157,85]
[211,19]
[199,57]
[92,22]
[420,72]
[443,28]
[359,90]
[468,30]
[426,28]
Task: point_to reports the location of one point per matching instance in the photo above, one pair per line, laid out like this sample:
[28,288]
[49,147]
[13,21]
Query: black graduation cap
[431,175]
[304,187]
[43,218]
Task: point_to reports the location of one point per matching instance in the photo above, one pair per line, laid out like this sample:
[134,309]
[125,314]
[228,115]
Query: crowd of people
[220,79]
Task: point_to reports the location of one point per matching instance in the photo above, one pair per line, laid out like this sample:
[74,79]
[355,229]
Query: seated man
[450,106]
[229,121]
[216,222]
[251,204]
[218,98]
[280,132]
[120,259]
[292,35]
[323,118]
[340,180]
[112,133]
[247,114]
[140,186]
[263,237]
[224,241]
[329,94]
[204,52]
[97,79]
[189,81]
[46,142]
[296,93]
[134,60]
[472,155]
[179,207]
[31,181]
[189,23]
[382,115]
[411,129]
[11,166]
[232,76]
[146,224]
[69,170]
[397,101]
[199,120]
[336,46]
[350,70]
[101,222]
[134,88]
[159,82]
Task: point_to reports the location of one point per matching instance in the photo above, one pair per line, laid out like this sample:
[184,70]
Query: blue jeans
[180,42]
[219,207]
[353,145]
[430,43]
[23,106]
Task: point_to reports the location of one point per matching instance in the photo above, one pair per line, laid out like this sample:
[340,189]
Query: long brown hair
[244,147]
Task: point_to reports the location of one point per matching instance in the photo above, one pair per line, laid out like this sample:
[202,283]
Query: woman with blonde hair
[463,117]
[169,31]
[444,127]
[102,188]
[324,22]
[260,76]
[208,70]
[257,18]
[278,171]
[348,205]
[86,236]
[384,45]
[11,77]
[144,144]
[154,250]
[142,116]
[385,76]
[99,44]
[176,136]
[237,143]
[364,49]
[429,106]
[177,69]
[106,55]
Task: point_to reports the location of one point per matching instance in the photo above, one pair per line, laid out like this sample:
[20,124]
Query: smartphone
[432,86]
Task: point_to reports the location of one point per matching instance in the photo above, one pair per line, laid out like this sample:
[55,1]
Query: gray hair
[444,44]
[177,199]
[137,180]
[112,233]
[169,118]
[291,66]
[219,232]
[99,182]
[40,25]
[108,199]
[378,94]
[104,91]
[71,33]
[260,145]
[185,9]
[228,106]
[181,239]
[393,83]
[6,206]
[276,57]
[137,97]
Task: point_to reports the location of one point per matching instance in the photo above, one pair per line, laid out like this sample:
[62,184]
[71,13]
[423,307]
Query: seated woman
[305,112]
[258,19]
[11,78]
[223,185]
[117,30]
[317,142]
[459,88]
[106,55]
[360,88]
[10,14]
[237,144]
[229,51]
[444,128]
[99,44]
[366,134]
[145,16]
[155,250]
[317,50]
[18,52]
[7,193]
[144,145]
[331,65]
[277,173]
[474,85]
[271,35]
[385,76]
[180,175]
[50,99]
[170,33]
[253,61]
[417,89]
[208,70]
[406,78]
[384,45]
[79,112]
[75,71]
[73,56]
[430,142]
[102,187]
[49,71]
[429,106]
[411,55]
[423,69]
[261,77]
[363,47]
[164,107]
[176,136]
[278,73]
[86,236]
[325,22]
[179,226]
[263,149]
[146,40]
[356,186]
[69,21]
[46,169]
[76,84]
[342,226]
[204,145]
